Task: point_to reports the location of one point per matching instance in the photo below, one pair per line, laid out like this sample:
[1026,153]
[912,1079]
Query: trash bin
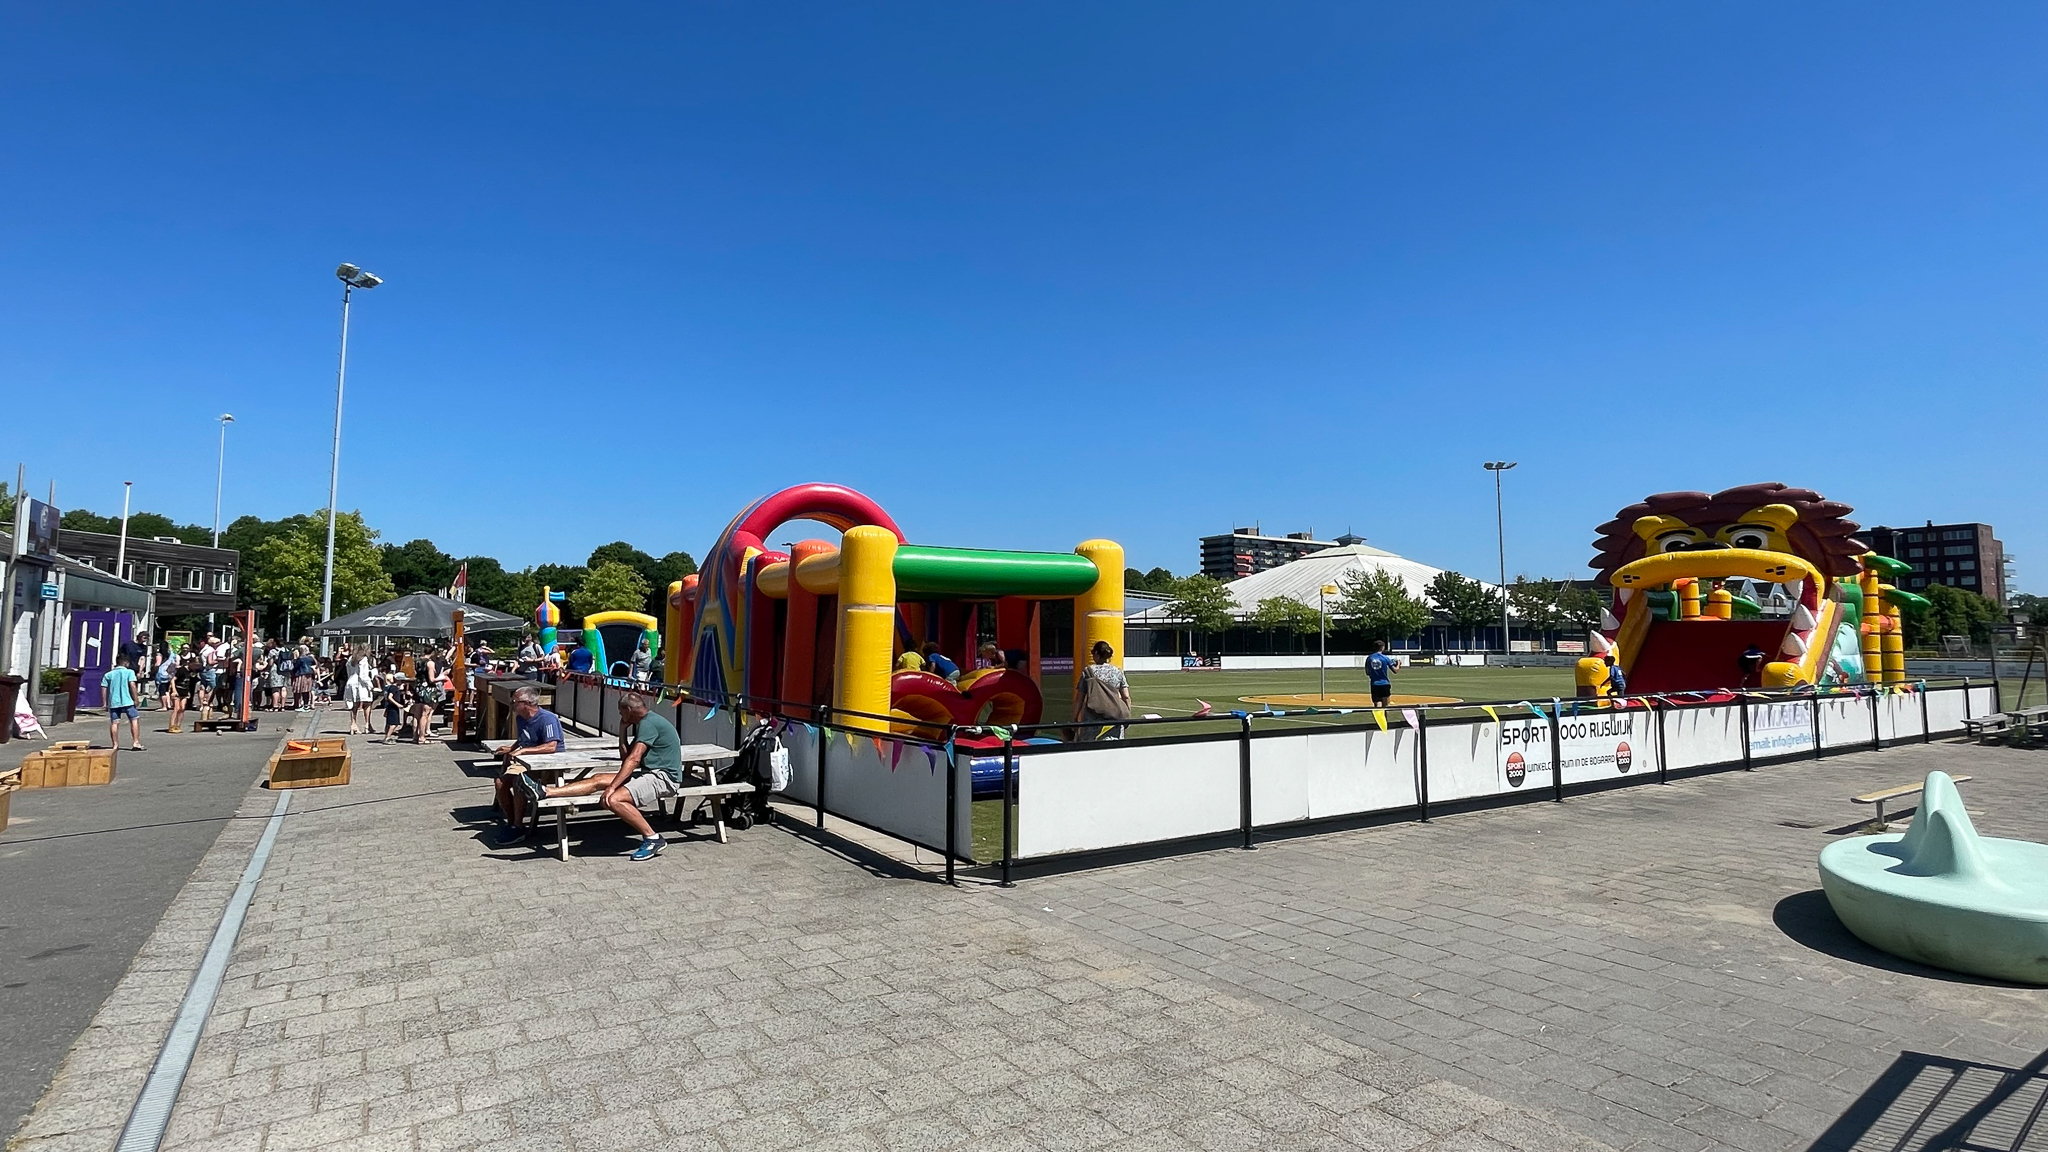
[10,691]
[67,696]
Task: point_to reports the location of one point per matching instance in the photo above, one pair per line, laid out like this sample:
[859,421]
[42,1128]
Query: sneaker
[649,849]
[511,834]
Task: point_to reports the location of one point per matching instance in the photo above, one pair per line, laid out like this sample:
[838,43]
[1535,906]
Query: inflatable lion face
[1744,531]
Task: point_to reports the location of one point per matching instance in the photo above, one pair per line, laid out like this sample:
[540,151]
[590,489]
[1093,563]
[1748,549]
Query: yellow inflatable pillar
[1688,598]
[1894,646]
[1720,603]
[672,635]
[1872,629]
[1099,612]
[867,625]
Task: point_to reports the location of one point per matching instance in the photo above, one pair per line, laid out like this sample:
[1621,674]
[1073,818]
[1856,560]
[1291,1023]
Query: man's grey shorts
[649,788]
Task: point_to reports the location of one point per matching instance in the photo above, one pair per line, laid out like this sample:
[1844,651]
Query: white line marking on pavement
[144,1131]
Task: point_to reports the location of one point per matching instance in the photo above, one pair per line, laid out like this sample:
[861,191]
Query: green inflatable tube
[927,570]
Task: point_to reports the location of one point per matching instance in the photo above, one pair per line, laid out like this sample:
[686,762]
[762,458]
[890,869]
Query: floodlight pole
[334,469]
[1501,536]
[121,553]
[1323,646]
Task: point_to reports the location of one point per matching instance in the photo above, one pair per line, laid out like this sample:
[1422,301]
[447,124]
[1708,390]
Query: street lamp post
[1323,640]
[121,553]
[1501,535]
[351,278]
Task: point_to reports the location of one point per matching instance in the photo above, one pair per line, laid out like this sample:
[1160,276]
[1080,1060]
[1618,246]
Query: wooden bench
[1886,796]
[574,763]
[1985,727]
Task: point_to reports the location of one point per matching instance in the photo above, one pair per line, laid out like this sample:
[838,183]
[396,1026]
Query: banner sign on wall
[1607,744]
[1781,729]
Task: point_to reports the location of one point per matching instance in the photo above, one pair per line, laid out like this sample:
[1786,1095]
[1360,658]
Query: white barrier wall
[1781,728]
[1311,775]
[1112,794]
[1945,712]
[1844,721]
[898,788]
[1981,701]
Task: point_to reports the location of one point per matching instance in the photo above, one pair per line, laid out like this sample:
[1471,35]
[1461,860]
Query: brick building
[1965,556]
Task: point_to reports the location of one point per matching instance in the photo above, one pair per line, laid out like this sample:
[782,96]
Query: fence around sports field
[1241,773]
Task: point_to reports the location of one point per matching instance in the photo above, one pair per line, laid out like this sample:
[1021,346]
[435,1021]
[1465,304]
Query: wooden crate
[311,764]
[67,764]
[9,781]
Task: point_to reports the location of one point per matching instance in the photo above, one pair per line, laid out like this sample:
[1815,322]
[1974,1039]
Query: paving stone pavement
[1654,966]
[400,984]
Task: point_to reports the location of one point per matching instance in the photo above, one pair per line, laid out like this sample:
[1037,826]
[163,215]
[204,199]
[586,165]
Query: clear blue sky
[1032,273]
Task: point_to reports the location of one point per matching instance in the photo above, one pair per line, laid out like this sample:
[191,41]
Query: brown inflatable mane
[1822,537]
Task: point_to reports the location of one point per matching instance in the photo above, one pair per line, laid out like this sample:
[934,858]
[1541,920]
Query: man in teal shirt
[651,769]
[119,685]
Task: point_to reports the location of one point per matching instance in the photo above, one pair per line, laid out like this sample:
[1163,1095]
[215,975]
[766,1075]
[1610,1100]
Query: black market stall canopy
[418,614]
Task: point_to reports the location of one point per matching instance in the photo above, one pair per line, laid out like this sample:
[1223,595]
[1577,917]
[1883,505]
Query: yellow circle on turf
[1341,700]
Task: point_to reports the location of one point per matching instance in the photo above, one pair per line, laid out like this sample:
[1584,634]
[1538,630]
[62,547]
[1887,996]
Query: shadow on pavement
[1923,1103]
[1807,919]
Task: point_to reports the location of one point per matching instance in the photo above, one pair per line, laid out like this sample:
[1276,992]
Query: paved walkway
[1656,965]
[1536,978]
[87,873]
[400,984]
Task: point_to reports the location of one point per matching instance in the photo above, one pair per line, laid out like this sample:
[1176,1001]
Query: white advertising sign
[1604,746]
[1781,729]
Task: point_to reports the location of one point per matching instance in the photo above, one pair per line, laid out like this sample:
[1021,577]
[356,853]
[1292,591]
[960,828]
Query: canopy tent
[418,614]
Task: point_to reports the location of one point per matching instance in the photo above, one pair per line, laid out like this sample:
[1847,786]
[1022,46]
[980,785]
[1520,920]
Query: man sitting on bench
[540,732]
[652,769]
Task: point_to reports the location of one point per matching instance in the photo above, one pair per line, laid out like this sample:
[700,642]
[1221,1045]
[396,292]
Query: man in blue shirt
[119,686]
[938,663]
[1380,668]
[580,660]
[540,732]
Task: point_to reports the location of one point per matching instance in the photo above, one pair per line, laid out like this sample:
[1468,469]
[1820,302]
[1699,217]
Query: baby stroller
[762,762]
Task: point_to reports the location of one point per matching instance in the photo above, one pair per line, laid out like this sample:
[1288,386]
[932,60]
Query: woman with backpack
[1102,697]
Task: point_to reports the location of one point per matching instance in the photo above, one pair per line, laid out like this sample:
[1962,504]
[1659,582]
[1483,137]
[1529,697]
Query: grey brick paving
[1653,966]
[1529,979]
[401,985]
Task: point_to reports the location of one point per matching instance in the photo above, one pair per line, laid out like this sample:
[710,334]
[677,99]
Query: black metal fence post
[824,742]
[1926,737]
[1556,751]
[1663,744]
[1966,698]
[1009,807]
[1814,703]
[1422,765]
[952,803]
[1742,703]
[1876,738]
[1244,780]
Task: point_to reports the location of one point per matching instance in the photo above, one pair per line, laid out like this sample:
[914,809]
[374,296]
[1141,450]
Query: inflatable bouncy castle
[1824,614]
[824,623]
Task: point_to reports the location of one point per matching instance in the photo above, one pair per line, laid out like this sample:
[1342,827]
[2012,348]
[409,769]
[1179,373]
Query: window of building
[1967,565]
[159,576]
[1919,581]
[1958,550]
[1912,552]
[1913,537]
[128,570]
[1968,581]
[224,582]
[195,580]
[1958,534]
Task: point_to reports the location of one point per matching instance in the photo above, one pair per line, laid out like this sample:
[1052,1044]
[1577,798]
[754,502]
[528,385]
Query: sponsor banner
[1594,746]
[1781,729]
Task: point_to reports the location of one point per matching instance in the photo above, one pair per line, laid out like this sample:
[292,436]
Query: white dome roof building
[1300,580]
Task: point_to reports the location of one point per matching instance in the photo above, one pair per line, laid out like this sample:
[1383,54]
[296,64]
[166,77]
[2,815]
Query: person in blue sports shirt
[1380,669]
[540,732]
[119,685]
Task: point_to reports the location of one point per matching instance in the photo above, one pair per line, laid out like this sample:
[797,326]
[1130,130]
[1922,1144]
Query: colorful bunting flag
[1380,717]
[1408,714]
[1490,713]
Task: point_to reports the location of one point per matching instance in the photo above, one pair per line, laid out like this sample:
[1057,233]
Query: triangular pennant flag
[1408,714]
[713,712]
[1490,713]
[1380,717]
[895,753]
[931,759]
[1533,708]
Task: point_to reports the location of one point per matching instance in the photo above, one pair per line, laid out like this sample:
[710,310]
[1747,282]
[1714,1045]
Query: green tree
[1548,605]
[287,567]
[1284,614]
[141,526]
[1203,603]
[1377,603]
[2033,608]
[1952,612]
[610,587]
[1463,602]
[1157,580]
[418,566]
[667,570]
[491,586]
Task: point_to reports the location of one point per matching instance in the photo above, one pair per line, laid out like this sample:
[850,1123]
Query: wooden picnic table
[589,755]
